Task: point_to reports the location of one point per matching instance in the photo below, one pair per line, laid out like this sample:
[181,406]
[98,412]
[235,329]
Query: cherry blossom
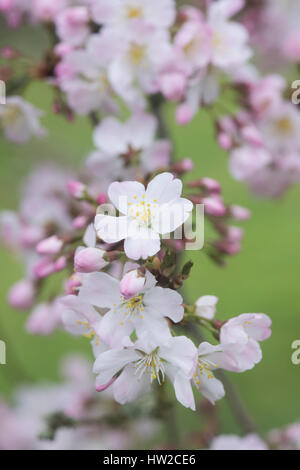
[147,214]
[138,365]
[143,311]
[20,120]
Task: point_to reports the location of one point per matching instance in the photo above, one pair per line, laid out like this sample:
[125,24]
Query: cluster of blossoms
[262,19]
[263,140]
[112,52]
[128,320]
[107,228]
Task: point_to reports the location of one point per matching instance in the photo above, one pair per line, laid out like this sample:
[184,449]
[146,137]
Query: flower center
[11,115]
[284,125]
[103,82]
[131,307]
[204,368]
[90,333]
[136,53]
[216,40]
[152,365]
[143,212]
[133,12]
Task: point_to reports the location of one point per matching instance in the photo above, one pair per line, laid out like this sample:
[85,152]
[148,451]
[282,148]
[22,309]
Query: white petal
[159,329]
[164,188]
[89,237]
[141,128]
[181,353]
[136,248]
[171,216]
[111,362]
[109,136]
[100,289]
[127,388]
[164,302]
[184,391]
[126,193]
[211,388]
[111,229]
[76,310]
[114,327]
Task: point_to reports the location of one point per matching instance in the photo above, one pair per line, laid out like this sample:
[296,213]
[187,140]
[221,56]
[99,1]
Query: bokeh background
[264,277]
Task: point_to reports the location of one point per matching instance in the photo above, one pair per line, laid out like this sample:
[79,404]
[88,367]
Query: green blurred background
[264,277]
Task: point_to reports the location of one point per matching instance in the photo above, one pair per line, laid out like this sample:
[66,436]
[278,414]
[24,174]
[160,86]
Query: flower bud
[80,222]
[21,295]
[214,206]
[239,213]
[102,198]
[252,135]
[60,263]
[49,246]
[225,141]
[206,306]
[31,235]
[208,184]
[184,114]
[228,247]
[183,166]
[76,189]
[131,284]
[44,267]
[234,234]
[89,260]
[173,85]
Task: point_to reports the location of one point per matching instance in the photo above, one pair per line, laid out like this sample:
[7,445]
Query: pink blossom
[240,336]
[72,25]
[131,284]
[44,319]
[22,294]
[232,442]
[49,246]
[76,189]
[88,260]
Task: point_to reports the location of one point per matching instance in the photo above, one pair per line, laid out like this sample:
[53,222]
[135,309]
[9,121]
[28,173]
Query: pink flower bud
[44,267]
[252,135]
[62,49]
[291,47]
[131,284]
[49,246]
[225,141]
[30,236]
[184,114]
[172,85]
[8,52]
[44,319]
[208,184]
[89,260]
[76,189]
[214,206]
[60,263]
[21,295]
[227,247]
[239,213]
[102,198]
[80,222]
[234,234]
[183,166]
